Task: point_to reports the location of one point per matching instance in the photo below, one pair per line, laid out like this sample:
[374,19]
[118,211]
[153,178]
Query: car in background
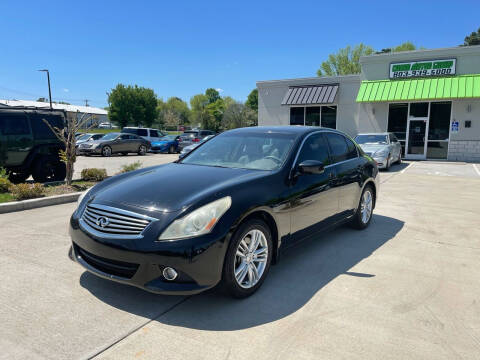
[146,133]
[384,148]
[190,137]
[86,137]
[168,143]
[105,125]
[189,148]
[225,212]
[115,143]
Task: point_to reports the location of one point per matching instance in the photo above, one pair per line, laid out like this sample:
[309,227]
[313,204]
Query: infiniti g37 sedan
[224,212]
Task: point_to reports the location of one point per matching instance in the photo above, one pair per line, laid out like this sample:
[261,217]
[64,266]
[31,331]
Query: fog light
[169,273]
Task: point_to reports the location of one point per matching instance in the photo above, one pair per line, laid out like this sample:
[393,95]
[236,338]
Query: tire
[124,153]
[389,163]
[18,177]
[399,161]
[106,151]
[171,149]
[359,221]
[47,168]
[142,150]
[246,284]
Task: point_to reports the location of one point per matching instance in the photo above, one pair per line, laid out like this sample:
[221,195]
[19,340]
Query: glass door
[417,129]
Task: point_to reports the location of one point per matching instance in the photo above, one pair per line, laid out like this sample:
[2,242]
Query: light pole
[49,90]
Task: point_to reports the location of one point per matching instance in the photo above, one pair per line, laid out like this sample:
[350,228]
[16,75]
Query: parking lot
[405,288]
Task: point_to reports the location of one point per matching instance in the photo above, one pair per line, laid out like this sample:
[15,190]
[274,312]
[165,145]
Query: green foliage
[5,185]
[239,115]
[132,105]
[27,191]
[212,94]
[201,115]
[3,173]
[406,46]
[472,39]
[345,61]
[172,113]
[94,174]
[131,167]
[252,100]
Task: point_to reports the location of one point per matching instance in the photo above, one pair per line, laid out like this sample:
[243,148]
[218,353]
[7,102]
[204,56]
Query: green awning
[455,87]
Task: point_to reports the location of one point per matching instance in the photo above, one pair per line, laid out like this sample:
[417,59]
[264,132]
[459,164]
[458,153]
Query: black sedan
[115,143]
[224,212]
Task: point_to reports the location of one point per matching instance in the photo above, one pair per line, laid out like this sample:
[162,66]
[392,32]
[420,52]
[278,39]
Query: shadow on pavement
[395,168]
[300,274]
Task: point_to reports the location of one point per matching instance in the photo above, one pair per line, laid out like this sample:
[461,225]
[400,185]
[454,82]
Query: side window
[40,129]
[142,132]
[352,149]
[393,138]
[338,147]
[125,137]
[153,133]
[14,124]
[314,148]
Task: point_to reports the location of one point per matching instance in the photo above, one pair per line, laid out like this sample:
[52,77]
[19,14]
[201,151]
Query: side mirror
[311,167]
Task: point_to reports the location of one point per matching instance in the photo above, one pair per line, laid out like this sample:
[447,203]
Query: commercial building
[429,98]
[98,115]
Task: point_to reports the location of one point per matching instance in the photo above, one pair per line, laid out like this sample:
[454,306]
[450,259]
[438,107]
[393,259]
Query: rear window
[190,134]
[41,130]
[153,133]
[14,124]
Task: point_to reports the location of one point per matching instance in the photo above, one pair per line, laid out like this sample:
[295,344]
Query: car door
[348,170]
[121,143]
[314,201]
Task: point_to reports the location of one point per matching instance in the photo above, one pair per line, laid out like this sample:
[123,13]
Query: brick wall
[464,150]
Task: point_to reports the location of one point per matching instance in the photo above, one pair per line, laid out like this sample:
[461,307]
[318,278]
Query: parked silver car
[384,148]
[189,148]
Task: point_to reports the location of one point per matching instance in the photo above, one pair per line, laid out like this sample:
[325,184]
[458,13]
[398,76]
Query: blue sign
[454,126]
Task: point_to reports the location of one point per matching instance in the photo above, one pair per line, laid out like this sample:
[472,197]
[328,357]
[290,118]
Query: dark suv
[28,146]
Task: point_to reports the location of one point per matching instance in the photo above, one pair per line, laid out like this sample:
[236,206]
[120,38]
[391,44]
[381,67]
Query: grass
[6,197]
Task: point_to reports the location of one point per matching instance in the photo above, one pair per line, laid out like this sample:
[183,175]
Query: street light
[49,90]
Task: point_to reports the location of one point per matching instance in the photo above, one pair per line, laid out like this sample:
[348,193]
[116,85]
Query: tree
[472,39]
[67,137]
[406,46]
[42,99]
[200,114]
[345,61]
[252,100]
[132,105]
[239,115]
[212,95]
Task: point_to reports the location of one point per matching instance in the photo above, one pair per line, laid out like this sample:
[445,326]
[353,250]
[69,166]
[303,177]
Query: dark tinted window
[142,132]
[329,117]
[125,137]
[40,129]
[14,124]
[419,109]
[312,116]
[97,136]
[154,133]
[397,119]
[338,147]
[314,148]
[297,115]
[130,131]
[438,128]
[352,149]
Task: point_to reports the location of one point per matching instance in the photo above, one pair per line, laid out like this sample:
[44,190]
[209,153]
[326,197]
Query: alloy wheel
[251,258]
[366,206]
[142,150]
[107,151]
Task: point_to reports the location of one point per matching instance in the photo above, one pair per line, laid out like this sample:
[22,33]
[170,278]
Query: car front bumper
[381,162]
[81,151]
[198,262]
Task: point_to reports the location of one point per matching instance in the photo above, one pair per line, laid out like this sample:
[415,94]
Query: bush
[4,185]
[27,191]
[3,173]
[94,174]
[131,167]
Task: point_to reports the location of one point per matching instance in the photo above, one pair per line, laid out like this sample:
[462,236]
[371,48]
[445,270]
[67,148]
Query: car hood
[372,148]
[172,187]
[162,142]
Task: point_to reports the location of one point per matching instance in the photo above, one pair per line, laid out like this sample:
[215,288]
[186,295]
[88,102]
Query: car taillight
[196,140]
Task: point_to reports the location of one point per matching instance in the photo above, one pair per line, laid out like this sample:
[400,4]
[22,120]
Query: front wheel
[363,215]
[107,151]
[142,150]
[248,258]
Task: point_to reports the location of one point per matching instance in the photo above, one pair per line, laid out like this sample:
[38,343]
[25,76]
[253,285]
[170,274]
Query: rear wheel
[171,149]
[48,168]
[107,151]
[399,161]
[18,177]
[389,163]
[248,259]
[142,150]
[364,212]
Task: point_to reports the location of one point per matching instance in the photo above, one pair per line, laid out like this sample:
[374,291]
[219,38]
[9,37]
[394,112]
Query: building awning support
[310,95]
[441,88]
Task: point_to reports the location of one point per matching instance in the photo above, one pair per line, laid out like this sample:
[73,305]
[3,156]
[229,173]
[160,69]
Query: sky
[180,48]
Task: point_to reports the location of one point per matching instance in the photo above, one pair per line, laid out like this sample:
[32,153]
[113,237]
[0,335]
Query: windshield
[247,151]
[206,138]
[110,136]
[372,139]
[168,138]
[84,137]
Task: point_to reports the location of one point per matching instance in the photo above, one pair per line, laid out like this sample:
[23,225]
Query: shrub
[3,173]
[94,174]
[27,191]
[4,185]
[131,167]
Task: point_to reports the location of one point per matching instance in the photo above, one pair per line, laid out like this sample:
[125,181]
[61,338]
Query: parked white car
[105,125]
[384,148]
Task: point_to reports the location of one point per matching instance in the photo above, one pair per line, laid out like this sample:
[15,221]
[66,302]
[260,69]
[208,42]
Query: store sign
[423,68]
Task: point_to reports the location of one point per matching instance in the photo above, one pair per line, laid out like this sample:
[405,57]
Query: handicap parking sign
[454,126]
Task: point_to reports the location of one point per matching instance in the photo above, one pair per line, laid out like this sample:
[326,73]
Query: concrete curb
[37,203]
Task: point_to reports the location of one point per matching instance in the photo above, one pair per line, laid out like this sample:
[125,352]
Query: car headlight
[381,153]
[198,222]
[82,196]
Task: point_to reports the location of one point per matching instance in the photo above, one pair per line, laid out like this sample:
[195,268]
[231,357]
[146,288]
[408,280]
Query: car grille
[116,222]
[108,266]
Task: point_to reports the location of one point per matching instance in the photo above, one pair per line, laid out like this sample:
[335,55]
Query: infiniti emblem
[102,221]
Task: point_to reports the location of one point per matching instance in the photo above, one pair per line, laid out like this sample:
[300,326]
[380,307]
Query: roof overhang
[310,95]
[439,88]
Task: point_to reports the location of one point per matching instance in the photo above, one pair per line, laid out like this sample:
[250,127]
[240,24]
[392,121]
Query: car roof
[379,133]
[292,129]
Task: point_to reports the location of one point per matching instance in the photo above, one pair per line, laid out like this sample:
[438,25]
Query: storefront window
[297,115]
[437,149]
[329,117]
[439,120]
[312,116]
[419,109]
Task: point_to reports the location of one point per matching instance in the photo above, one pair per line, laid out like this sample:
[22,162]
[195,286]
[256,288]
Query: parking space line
[411,164]
[476,169]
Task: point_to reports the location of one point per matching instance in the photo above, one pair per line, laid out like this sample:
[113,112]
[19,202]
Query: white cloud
[219,90]
[66,90]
